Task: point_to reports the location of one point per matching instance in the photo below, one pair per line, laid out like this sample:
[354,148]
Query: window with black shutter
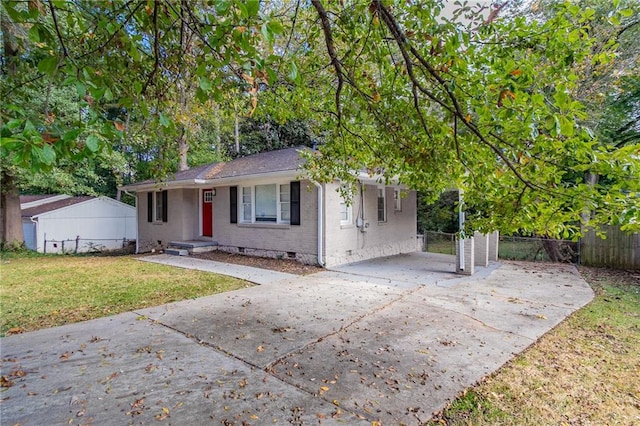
[295,203]
[233,204]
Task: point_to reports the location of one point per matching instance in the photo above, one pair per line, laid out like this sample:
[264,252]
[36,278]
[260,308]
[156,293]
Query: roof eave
[198,183]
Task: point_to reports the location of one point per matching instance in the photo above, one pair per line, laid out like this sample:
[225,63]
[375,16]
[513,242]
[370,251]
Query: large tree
[479,103]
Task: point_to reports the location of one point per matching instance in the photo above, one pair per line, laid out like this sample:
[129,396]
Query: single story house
[261,205]
[63,224]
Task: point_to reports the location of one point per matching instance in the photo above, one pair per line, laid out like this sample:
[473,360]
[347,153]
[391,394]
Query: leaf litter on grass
[583,372]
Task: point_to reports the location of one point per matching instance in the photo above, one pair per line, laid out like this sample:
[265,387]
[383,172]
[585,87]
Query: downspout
[135,197]
[36,223]
[320,222]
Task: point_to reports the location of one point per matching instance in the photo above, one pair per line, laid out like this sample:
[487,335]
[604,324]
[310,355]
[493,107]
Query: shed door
[29,232]
[207,212]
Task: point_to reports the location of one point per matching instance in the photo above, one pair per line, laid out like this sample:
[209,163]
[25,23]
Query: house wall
[347,243]
[183,216]
[98,224]
[268,239]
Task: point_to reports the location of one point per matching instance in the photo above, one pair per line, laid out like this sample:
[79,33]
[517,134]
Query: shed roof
[55,205]
[31,198]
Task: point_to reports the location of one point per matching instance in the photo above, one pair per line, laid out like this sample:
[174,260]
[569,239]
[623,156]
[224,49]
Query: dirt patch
[281,265]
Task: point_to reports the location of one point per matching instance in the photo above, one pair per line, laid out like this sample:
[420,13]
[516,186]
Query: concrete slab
[312,349]
[404,270]
[261,326]
[128,370]
[254,275]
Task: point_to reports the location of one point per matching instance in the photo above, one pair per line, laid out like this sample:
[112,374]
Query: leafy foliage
[490,105]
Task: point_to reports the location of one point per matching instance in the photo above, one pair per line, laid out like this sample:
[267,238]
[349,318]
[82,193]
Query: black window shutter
[233,204]
[165,205]
[149,206]
[295,203]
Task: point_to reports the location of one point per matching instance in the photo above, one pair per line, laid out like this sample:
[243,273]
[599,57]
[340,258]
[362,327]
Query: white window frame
[247,204]
[397,199]
[381,191]
[280,203]
[208,196]
[345,209]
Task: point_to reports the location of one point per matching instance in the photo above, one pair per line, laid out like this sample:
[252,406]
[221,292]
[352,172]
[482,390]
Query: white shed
[64,224]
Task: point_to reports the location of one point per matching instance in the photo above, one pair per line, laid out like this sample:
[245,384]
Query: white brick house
[259,205]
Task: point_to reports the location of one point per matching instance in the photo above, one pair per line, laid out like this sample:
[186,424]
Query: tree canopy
[481,101]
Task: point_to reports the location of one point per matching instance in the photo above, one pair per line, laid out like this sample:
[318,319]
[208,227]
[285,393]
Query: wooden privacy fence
[619,250]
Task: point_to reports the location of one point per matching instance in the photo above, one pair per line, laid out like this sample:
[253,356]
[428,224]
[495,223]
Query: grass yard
[40,291]
[584,372]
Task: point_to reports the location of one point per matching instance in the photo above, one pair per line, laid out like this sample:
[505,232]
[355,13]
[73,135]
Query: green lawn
[40,291]
[585,371]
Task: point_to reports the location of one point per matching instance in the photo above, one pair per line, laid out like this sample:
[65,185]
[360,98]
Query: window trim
[153,200]
[252,203]
[349,212]
[397,200]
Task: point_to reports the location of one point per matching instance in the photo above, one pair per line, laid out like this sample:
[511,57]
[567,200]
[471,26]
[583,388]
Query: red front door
[207,212]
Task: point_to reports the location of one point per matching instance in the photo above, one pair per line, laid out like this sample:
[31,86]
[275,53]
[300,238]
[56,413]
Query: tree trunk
[557,251]
[183,140]
[237,133]
[11,235]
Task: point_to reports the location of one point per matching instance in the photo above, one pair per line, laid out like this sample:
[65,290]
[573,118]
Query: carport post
[465,256]
[464,249]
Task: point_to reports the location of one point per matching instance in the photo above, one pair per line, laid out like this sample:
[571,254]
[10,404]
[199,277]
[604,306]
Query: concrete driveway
[331,348]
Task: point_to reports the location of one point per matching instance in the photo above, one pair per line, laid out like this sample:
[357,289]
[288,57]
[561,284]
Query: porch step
[177,251]
[193,246]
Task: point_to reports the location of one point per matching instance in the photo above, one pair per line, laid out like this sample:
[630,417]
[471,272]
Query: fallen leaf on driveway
[5,383]
[260,349]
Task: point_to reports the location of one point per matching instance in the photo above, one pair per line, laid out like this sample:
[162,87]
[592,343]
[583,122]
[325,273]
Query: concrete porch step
[177,251]
[192,246]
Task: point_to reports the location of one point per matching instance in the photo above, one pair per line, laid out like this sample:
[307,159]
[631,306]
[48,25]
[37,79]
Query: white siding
[347,243]
[99,223]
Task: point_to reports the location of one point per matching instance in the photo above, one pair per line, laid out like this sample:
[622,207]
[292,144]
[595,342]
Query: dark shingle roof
[265,162]
[34,211]
[31,198]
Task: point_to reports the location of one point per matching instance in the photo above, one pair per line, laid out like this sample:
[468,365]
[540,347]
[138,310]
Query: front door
[207,212]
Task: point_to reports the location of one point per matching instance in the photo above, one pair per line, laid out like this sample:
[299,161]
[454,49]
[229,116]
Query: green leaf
[164,120]
[626,12]
[205,84]
[293,72]
[266,33]
[47,155]
[81,89]
[222,7]
[253,7]
[48,65]
[93,143]
[275,27]
[244,12]
[34,33]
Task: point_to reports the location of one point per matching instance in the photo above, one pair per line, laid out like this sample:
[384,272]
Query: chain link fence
[439,242]
[93,245]
[512,248]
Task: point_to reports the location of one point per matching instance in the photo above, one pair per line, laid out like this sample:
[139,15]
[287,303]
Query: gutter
[320,222]
[36,222]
